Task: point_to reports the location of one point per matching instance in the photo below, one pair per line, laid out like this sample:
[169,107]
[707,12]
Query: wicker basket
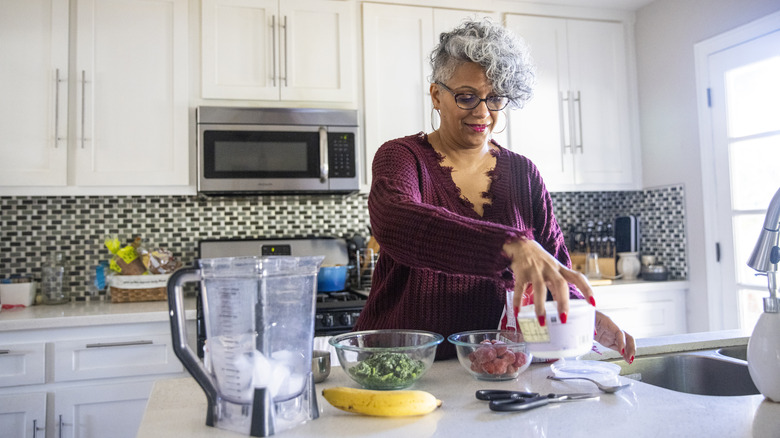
[136,288]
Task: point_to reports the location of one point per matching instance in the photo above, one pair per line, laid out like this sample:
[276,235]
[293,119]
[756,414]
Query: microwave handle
[323,154]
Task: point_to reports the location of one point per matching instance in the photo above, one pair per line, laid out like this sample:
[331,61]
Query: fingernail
[592,301]
[623,351]
[541,320]
[595,333]
[630,361]
[563,318]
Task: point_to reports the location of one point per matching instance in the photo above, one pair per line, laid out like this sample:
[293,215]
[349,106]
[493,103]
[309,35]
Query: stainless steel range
[336,311]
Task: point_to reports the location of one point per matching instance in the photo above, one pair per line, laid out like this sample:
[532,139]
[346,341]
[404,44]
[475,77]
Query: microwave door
[237,160]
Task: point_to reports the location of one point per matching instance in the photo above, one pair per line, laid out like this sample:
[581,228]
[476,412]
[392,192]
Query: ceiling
[627,5]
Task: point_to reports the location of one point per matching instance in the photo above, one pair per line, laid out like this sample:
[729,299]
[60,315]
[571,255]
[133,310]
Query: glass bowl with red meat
[492,354]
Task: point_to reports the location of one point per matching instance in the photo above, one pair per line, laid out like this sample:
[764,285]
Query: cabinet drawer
[22,364]
[114,357]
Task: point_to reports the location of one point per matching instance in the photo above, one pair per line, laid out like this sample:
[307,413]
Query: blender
[259,317]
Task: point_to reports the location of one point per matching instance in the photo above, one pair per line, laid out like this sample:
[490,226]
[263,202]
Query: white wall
[666,31]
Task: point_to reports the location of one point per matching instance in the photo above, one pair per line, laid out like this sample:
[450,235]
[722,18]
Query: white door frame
[702,51]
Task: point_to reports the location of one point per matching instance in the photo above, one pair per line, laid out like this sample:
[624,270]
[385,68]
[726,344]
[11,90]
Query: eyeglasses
[468,101]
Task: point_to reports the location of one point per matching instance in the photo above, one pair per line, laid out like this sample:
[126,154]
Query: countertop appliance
[336,312]
[277,151]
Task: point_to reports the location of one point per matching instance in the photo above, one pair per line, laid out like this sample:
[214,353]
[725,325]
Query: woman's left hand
[611,336]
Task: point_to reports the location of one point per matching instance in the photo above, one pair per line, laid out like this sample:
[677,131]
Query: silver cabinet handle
[284,26]
[273,47]
[323,154]
[119,344]
[83,105]
[36,428]
[5,351]
[578,122]
[61,424]
[57,81]
[564,115]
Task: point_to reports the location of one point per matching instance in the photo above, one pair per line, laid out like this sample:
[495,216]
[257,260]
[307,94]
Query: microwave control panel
[341,155]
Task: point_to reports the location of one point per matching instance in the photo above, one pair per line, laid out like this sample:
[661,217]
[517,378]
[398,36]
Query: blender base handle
[179,336]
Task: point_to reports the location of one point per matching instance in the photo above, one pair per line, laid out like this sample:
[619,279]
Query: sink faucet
[766,254]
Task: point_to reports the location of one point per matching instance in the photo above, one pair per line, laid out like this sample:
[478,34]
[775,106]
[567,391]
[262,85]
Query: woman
[459,219]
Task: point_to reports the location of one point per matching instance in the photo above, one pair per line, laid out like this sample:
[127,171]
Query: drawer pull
[5,351]
[119,344]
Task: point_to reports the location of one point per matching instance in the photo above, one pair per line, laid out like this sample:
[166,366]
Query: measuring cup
[259,318]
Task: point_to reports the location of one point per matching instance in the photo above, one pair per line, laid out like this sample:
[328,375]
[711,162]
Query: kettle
[259,318]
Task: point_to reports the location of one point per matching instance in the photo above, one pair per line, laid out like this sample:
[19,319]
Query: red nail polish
[623,351]
[630,361]
[592,301]
[595,333]
[541,320]
[563,318]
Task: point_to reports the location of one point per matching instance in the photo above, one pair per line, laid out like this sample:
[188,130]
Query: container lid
[600,371]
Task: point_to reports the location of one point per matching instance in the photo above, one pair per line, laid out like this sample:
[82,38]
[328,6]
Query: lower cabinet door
[23,415]
[97,411]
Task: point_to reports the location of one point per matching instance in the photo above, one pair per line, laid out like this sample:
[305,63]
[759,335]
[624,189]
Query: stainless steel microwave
[277,151]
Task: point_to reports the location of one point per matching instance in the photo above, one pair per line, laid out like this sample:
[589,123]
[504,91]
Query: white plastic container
[15,294]
[556,340]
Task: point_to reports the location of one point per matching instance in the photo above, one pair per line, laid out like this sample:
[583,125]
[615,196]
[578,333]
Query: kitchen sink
[722,372]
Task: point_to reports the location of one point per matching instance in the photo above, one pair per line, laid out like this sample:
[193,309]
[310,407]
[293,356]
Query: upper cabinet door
[293,50]
[132,105]
[34,90]
[396,43]
[317,50]
[240,49]
[578,127]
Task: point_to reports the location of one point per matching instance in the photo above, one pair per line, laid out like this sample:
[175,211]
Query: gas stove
[336,312]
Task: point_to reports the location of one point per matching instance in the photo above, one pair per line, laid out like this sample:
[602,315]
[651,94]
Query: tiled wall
[32,227]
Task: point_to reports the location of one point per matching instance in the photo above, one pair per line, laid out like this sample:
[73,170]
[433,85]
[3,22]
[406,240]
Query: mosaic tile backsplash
[32,227]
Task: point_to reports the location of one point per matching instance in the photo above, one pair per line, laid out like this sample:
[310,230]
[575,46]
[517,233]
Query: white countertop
[84,314]
[177,407]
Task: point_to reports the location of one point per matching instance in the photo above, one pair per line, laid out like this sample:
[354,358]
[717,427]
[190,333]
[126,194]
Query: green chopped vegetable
[387,370]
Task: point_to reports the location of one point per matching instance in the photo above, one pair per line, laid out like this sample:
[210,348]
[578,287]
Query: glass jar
[53,279]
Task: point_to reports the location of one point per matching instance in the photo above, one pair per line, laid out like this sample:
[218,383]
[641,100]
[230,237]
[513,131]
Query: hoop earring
[435,110]
[506,122]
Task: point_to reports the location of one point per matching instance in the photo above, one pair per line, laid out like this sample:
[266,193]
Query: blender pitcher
[259,317]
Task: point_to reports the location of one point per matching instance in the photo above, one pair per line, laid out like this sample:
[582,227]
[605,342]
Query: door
[744,109]
[33,110]
[317,52]
[396,41]
[132,93]
[23,415]
[97,411]
[240,48]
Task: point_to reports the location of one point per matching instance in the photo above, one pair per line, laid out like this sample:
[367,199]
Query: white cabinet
[23,415]
[90,381]
[291,50]
[101,410]
[578,128]
[131,74]
[644,308]
[33,110]
[397,41]
[110,109]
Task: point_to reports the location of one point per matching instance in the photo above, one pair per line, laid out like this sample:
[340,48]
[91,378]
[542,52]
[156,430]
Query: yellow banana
[399,403]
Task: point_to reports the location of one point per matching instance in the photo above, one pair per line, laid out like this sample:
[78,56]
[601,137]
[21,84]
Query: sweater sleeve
[422,235]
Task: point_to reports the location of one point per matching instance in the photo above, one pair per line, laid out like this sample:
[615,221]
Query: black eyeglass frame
[486,100]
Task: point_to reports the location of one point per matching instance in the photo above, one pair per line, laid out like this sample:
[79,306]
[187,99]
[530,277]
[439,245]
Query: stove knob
[345,319]
[327,320]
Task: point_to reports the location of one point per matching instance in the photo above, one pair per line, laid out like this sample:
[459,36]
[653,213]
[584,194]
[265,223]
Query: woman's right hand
[532,264]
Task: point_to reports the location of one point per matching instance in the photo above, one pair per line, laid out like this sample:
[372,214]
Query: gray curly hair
[504,56]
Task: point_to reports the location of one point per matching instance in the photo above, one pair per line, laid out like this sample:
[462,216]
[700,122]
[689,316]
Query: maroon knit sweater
[442,267]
